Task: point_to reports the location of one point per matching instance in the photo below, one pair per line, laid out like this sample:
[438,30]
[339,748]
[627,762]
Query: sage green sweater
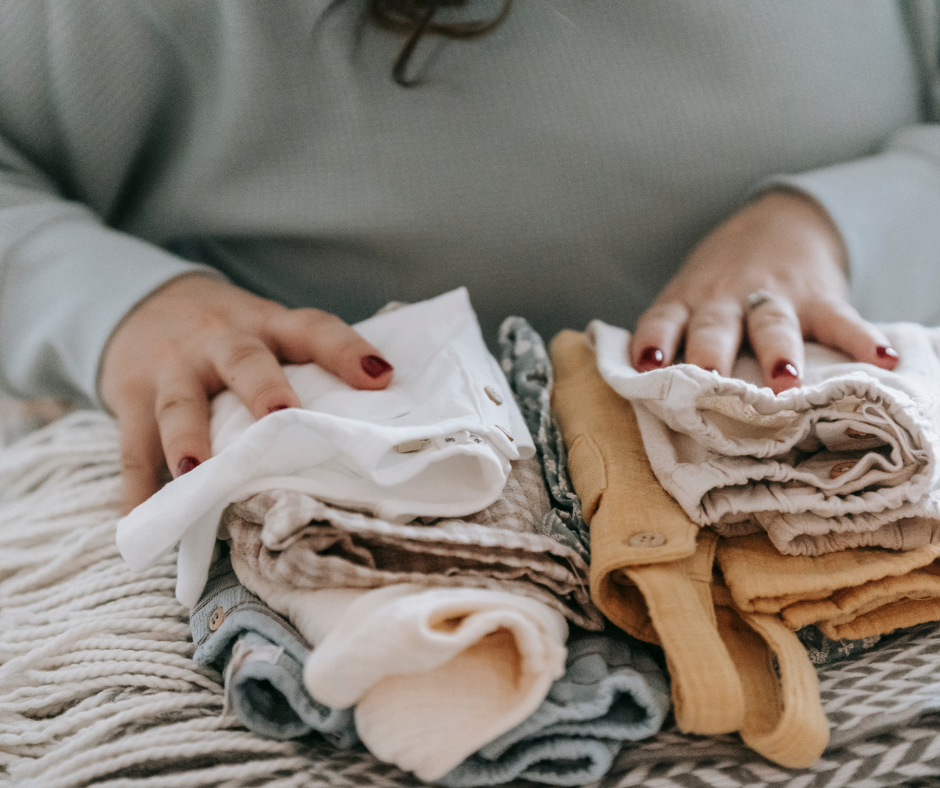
[561,167]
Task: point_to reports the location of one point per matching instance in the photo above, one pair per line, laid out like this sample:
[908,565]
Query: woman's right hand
[196,336]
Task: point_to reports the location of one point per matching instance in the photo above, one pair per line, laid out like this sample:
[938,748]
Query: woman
[191,191]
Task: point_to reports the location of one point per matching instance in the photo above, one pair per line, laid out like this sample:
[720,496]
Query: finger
[248,367]
[311,335]
[658,334]
[775,336]
[141,454]
[713,335]
[182,414]
[839,326]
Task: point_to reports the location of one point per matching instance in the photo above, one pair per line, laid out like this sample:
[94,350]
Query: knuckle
[169,405]
[267,393]
[133,463]
[310,320]
[243,351]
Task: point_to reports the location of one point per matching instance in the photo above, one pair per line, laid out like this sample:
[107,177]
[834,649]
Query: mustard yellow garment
[651,574]
[851,594]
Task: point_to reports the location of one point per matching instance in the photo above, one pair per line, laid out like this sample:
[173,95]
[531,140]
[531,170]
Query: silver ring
[757,299]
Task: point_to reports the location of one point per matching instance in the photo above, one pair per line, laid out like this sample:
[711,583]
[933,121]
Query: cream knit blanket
[97,684]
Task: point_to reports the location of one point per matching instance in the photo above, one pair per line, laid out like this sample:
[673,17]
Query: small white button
[493,394]
[647,539]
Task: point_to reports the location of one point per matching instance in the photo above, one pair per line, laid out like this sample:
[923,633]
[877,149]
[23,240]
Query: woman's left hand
[774,271]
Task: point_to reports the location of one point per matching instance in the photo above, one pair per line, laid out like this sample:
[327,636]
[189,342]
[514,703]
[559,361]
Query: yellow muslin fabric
[848,595]
[652,575]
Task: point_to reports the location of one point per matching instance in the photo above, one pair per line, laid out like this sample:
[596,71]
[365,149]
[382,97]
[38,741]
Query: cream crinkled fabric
[437,442]
[847,460]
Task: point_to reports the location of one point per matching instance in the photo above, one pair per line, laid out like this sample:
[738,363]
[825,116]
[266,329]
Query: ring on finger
[756,300]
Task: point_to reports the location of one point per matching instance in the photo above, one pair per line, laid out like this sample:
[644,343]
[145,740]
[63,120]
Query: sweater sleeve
[66,278]
[887,208]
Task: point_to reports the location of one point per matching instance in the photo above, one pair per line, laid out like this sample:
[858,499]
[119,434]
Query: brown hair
[415,19]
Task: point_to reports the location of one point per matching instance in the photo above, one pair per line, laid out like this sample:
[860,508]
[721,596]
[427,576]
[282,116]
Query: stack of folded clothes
[402,567]
[723,518]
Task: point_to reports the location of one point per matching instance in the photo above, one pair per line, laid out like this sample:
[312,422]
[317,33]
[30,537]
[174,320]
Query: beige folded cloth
[848,595]
[651,573]
[434,674]
[847,460]
[291,538]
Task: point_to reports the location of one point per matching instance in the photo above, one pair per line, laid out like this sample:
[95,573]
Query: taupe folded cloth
[292,538]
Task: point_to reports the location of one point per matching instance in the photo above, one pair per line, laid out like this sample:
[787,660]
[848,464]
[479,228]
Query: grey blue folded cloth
[612,691]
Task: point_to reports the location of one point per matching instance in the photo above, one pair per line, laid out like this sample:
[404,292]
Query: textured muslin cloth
[847,460]
[436,442]
[434,674]
[296,540]
[612,691]
[652,575]
[850,595]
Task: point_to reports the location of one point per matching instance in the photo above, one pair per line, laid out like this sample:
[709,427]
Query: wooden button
[857,434]
[841,467]
[216,619]
[647,539]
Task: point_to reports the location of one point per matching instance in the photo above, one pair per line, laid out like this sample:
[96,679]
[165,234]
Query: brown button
[841,467]
[493,394]
[216,619]
[647,539]
[857,434]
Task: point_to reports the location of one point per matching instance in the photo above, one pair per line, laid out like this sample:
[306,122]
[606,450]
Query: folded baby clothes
[848,460]
[850,595]
[437,442]
[652,577]
[612,691]
[262,658]
[524,359]
[633,521]
[291,538]
[434,673]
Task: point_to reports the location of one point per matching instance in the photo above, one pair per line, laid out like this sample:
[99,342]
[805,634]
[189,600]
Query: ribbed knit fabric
[561,167]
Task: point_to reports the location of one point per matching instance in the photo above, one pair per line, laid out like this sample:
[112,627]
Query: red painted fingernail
[186,465]
[884,351]
[277,407]
[374,366]
[710,369]
[784,369]
[650,358]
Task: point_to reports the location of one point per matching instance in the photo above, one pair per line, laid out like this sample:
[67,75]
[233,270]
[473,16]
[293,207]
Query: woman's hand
[774,271]
[196,336]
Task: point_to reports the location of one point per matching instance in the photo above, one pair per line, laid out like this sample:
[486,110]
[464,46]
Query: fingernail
[784,369]
[650,358]
[277,407]
[374,366]
[886,352]
[186,465]
[710,369]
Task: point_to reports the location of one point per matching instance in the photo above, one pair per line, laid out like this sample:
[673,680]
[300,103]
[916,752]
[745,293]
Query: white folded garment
[437,442]
[848,459]
[435,674]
